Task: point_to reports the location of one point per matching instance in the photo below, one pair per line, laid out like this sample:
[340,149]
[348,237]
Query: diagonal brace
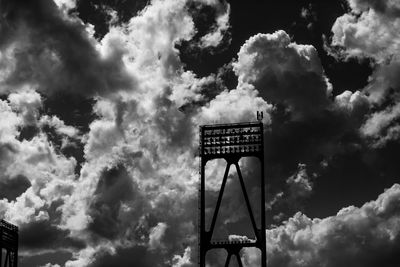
[228,259]
[221,192]
[239,260]
[246,197]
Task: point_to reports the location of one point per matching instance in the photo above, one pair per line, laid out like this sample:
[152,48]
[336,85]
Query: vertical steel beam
[202,249]
[263,224]
[1,245]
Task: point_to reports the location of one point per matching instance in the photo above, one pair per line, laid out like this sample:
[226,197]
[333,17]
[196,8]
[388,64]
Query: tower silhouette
[231,142]
[8,242]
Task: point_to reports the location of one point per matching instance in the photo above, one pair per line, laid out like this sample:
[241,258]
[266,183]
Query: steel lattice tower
[231,142]
[8,242]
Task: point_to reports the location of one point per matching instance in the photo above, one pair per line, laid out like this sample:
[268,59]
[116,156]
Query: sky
[101,103]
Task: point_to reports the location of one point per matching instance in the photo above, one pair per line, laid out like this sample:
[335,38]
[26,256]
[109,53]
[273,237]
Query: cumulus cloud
[35,179]
[290,76]
[369,30]
[365,236]
[142,144]
[352,102]
[55,52]
[366,32]
[182,261]
[284,72]
[236,105]
[134,200]
[27,103]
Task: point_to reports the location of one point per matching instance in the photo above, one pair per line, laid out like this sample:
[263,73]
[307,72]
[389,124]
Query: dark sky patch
[13,187]
[96,12]
[73,110]
[28,132]
[196,58]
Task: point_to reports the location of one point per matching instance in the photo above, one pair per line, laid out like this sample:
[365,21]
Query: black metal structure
[231,142]
[8,242]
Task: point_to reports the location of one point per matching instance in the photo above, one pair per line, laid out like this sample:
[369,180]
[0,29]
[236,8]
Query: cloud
[215,37]
[27,103]
[381,126]
[156,235]
[182,261]
[65,5]
[284,73]
[55,52]
[300,184]
[366,33]
[369,30]
[35,179]
[134,200]
[41,236]
[238,238]
[365,236]
[238,105]
[50,265]
[141,144]
[391,8]
[108,208]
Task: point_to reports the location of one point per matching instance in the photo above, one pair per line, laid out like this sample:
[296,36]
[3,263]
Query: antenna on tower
[260,115]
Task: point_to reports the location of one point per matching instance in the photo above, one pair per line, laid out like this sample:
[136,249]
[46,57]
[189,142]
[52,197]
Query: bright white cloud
[284,72]
[369,30]
[365,236]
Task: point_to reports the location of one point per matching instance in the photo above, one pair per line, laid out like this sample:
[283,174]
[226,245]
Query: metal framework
[231,142]
[8,242]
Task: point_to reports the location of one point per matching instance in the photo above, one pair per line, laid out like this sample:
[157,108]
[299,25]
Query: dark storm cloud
[46,48]
[115,188]
[42,235]
[127,257]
